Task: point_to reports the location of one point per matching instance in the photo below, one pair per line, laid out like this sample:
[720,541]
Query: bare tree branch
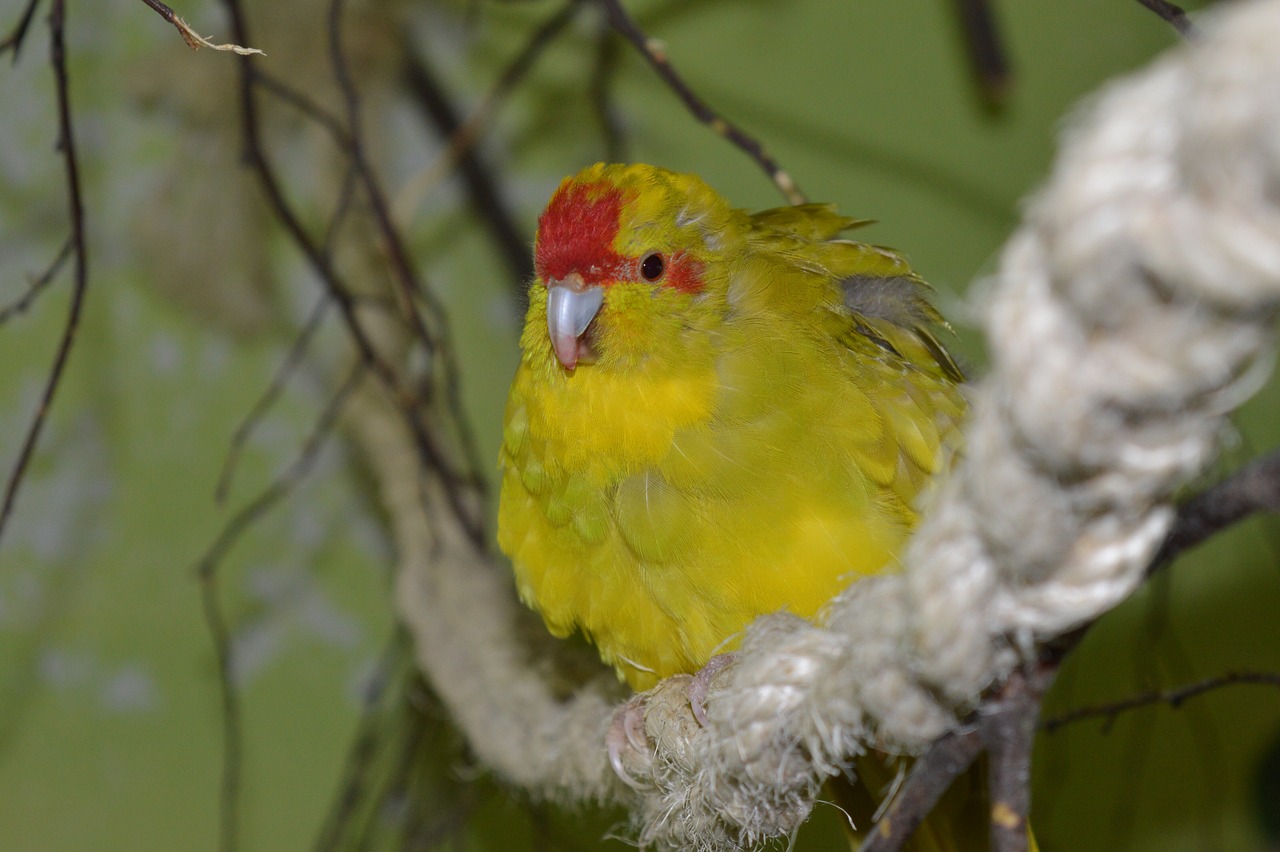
[207,571]
[1172,697]
[71,166]
[654,51]
[433,455]
[291,361]
[296,352]
[304,104]
[468,133]
[410,287]
[487,196]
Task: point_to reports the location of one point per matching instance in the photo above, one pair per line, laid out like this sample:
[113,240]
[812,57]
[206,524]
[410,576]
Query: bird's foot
[626,735]
[700,686]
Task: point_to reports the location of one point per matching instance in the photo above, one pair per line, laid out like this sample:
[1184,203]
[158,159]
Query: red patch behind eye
[576,233]
[684,273]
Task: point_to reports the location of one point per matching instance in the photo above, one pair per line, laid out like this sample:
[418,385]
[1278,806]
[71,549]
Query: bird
[716,415]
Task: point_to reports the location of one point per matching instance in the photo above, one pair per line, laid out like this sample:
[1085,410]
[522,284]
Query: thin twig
[229,789]
[409,285]
[654,51]
[296,352]
[13,41]
[280,487]
[363,751]
[486,194]
[23,303]
[1175,16]
[194,40]
[600,91]
[409,288]
[291,361]
[346,194]
[473,127]
[1172,697]
[207,572]
[303,103]
[1252,489]
[1173,664]
[66,143]
[394,791]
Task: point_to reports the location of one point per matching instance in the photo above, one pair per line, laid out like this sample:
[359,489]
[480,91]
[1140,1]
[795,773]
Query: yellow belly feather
[661,514]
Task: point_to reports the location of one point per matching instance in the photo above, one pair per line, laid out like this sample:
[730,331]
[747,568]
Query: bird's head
[629,260]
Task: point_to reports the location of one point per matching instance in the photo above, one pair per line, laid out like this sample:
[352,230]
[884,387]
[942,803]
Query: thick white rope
[1133,310]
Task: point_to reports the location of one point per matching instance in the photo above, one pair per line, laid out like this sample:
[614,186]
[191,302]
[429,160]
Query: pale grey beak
[571,306]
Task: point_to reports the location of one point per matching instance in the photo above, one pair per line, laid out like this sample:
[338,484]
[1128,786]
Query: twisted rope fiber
[1134,308]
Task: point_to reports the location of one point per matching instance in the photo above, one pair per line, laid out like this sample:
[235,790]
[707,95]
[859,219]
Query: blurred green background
[110,715]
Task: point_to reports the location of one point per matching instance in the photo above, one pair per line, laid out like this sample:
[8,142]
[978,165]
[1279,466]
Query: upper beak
[571,306]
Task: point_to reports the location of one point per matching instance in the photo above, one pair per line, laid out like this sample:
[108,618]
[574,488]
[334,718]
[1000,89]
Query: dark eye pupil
[651,267]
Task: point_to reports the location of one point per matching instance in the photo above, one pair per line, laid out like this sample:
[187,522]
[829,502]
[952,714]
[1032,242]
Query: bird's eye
[651,267]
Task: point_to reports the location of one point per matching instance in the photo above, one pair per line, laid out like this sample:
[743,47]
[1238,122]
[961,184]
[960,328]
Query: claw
[627,732]
[700,686]
[633,726]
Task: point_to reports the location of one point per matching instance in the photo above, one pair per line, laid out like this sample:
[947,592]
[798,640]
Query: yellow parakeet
[716,415]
